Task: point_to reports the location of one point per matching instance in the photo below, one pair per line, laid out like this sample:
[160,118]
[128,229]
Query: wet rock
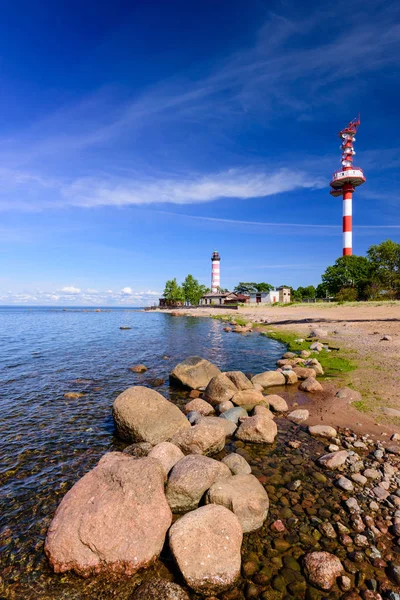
[143,415]
[299,415]
[269,379]
[245,497]
[372,474]
[358,478]
[239,380]
[194,394]
[393,572]
[361,541]
[167,455]
[206,545]
[228,426]
[311,385]
[220,389]
[322,569]
[345,484]
[380,493]
[259,429]
[352,506]
[277,403]
[237,464]
[190,478]
[248,399]
[194,372]
[159,589]
[334,460]
[278,526]
[204,438]
[89,530]
[290,377]
[304,372]
[333,448]
[73,395]
[200,406]
[224,406]
[322,431]
[138,369]
[234,414]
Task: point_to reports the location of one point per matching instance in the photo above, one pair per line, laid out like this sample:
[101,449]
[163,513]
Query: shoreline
[358,331]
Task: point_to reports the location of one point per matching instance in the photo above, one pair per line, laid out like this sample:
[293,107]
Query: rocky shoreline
[244,496]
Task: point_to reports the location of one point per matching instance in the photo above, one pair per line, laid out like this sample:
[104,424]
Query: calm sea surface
[48,441]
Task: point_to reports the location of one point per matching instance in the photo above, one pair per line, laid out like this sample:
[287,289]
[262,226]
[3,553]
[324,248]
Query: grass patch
[332,363]
[229,318]
[361,406]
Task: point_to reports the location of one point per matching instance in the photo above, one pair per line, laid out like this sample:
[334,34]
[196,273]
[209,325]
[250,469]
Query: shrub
[346,295]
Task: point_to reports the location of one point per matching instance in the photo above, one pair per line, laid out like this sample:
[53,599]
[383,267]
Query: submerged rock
[259,429]
[334,459]
[245,497]
[159,589]
[88,533]
[206,545]
[138,368]
[190,478]
[194,372]
[143,415]
[322,569]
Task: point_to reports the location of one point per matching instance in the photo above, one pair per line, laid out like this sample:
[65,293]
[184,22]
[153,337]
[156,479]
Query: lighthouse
[215,272]
[346,180]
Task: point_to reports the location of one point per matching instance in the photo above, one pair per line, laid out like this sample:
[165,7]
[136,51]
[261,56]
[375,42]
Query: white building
[279,295]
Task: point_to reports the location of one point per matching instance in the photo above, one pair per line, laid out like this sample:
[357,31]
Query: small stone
[345,484]
[352,506]
[157,589]
[322,569]
[380,492]
[333,460]
[299,415]
[138,369]
[224,406]
[278,526]
[358,478]
[333,448]
[393,449]
[386,338]
[322,431]
[372,474]
[361,540]
[73,395]
[200,406]
[277,403]
[294,443]
[311,385]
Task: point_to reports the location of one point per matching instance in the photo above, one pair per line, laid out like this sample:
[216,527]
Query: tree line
[372,277]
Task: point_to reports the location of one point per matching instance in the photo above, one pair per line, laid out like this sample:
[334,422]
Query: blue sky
[137,137]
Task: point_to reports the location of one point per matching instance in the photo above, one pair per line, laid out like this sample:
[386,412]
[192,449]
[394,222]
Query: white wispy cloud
[71,296]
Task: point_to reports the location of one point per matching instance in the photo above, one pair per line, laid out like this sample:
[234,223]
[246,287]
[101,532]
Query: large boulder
[277,403]
[159,589]
[322,569]
[269,379]
[204,438]
[248,399]
[237,464]
[239,379]
[194,372]
[167,455]
[259,429]
[219,389]
[304,372]
[190,478]
[143,415]
[311,385]
[88,533]
[200,406]
[206,545]
[243,495]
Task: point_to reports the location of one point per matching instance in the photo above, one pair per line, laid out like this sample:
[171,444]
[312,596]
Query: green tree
[321,291]
[192,290]
[347,272]
[252,287]
[296,295]
[173,292]
[306,292]
[385,265]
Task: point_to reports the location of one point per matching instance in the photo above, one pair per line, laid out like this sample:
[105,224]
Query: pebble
[333,448]
[380,493]
[352,506]
[358,478]
[345,484]
[372,474]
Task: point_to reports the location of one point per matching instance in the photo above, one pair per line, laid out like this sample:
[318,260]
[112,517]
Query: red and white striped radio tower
[344,181]
[215,272]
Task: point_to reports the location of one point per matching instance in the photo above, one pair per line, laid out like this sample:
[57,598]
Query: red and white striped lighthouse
[215,272]
[344,181]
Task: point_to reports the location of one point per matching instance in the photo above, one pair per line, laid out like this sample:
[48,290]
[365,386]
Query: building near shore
[281,294]
[223,298]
